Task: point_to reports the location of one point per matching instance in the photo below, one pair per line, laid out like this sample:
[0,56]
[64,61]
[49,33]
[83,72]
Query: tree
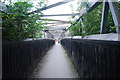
[75,30]
[92,20]
[17,25]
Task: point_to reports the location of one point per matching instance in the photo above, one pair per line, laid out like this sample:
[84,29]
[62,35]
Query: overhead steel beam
[103,28]
[52,29]
[94,6]
[57,20]
[55,26]
[61,15]
[51,25]
[51,6]
[59,23]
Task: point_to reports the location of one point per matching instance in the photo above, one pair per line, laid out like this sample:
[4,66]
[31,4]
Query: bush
[18,25]
[91,22]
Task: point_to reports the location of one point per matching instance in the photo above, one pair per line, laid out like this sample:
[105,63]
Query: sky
[62,9]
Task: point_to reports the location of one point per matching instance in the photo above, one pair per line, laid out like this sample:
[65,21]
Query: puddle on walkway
[55,65]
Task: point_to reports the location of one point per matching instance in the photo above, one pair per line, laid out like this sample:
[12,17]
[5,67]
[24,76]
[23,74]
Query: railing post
[105,11]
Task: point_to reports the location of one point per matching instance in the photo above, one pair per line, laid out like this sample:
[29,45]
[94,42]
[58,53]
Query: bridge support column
[115,13]
[105,11]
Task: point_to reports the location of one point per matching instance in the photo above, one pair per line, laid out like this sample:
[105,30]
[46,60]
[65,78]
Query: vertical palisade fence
[20,58]
[94,58]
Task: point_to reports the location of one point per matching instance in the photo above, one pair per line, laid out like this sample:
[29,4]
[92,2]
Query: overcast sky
[62,9]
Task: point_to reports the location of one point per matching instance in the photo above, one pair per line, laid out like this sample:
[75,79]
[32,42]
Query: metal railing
[94,58]
[20,58]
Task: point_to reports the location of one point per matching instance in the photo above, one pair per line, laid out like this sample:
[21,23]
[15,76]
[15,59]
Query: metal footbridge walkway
[55,64]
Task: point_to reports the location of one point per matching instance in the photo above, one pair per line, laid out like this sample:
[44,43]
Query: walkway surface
[55,64]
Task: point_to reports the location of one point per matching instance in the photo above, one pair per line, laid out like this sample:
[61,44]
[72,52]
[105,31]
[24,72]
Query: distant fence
[20,58]
[94,58]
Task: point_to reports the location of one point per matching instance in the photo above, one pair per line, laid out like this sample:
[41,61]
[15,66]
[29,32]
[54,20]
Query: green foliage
[75,30]
[119,5]
[91,23]
[82,5]
[111,28]
[17,25]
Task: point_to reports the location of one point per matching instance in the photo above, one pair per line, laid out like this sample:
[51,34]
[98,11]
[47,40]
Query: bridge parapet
[110,37]
[94,58]
[19,58]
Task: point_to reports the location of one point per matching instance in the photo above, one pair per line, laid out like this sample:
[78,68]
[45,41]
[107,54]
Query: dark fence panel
[20,58]
[94,58]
